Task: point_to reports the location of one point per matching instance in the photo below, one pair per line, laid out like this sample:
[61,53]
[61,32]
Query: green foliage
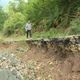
[3,16]
[52,11]
[43,10]
[44,15]
[75,26]
[15,21]
[52,33]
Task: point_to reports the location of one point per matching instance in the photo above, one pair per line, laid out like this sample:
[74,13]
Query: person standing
[28,29]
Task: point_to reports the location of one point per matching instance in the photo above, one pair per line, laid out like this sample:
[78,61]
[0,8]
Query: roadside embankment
[47,59]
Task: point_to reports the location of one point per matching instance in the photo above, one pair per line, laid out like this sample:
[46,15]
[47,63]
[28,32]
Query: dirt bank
[55,60]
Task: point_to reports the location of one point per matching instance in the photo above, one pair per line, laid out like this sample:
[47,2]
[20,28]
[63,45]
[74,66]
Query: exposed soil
[44,64]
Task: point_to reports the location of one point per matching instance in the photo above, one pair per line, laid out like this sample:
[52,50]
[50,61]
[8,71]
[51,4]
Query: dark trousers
[29,34]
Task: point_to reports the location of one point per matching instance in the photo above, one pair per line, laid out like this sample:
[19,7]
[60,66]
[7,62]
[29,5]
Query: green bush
[7,31]
[75,26]
[14,22]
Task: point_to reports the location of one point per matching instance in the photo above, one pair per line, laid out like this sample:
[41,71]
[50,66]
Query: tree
[15,21]
[43,14]
[3,17]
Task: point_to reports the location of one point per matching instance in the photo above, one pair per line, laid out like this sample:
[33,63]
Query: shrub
[15,21]
[75,26]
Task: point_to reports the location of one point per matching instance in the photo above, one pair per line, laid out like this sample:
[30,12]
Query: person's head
[28,21]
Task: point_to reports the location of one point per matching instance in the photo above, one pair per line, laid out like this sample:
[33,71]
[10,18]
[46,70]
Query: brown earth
[48,64]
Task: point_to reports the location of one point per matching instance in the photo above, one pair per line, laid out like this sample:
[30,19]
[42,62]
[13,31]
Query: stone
[7,75]
[8,63]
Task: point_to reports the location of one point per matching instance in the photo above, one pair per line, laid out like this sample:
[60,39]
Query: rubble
[12,68]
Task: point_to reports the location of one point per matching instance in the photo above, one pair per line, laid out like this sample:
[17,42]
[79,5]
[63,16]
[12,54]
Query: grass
[50,34]
[53,33]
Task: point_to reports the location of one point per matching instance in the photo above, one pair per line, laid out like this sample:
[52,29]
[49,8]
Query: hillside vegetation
[49,17]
